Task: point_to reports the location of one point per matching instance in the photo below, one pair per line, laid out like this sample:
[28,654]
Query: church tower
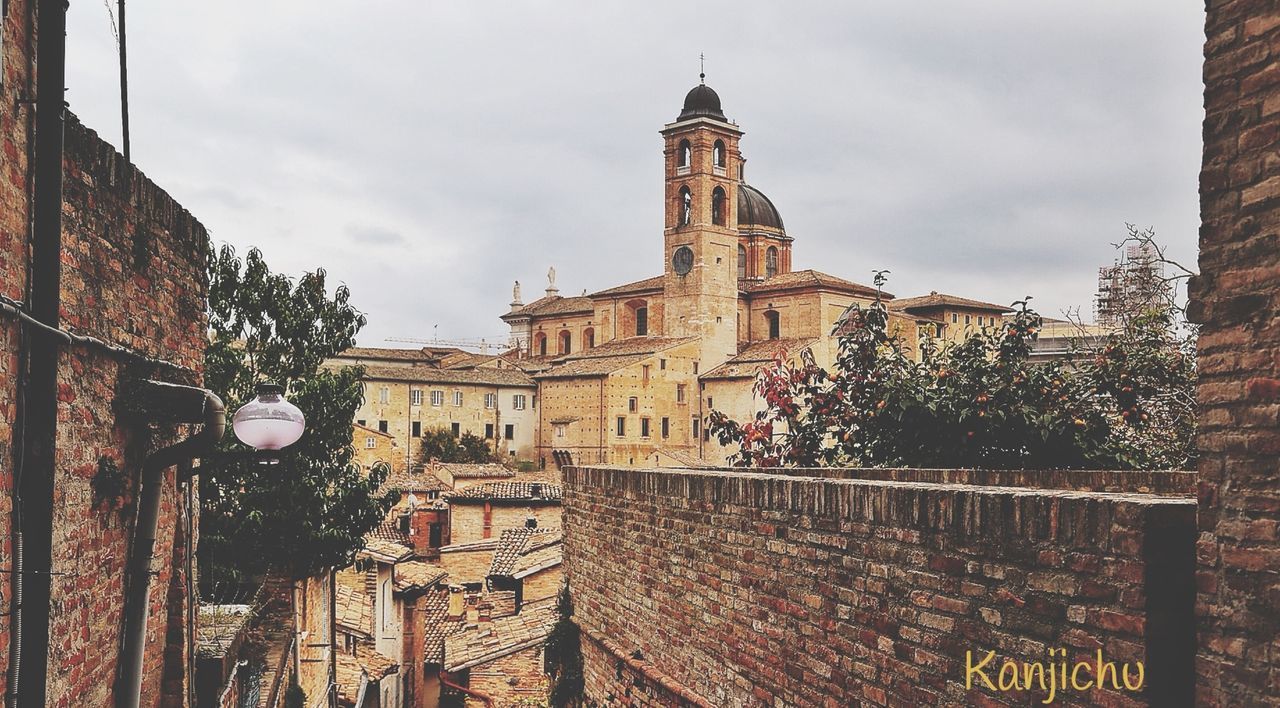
[703,170]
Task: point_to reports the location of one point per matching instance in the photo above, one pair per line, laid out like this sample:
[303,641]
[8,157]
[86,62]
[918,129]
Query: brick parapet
[759,589]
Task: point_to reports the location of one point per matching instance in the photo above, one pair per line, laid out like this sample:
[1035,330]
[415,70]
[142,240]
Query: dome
[755,209]
[701,101]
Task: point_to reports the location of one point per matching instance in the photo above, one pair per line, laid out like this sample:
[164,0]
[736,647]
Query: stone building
[409,391]
[90,245]
[497,657]
[527,562]
[486,510]
[624,374]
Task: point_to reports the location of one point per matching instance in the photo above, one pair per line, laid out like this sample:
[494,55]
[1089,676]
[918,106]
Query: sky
[428,154]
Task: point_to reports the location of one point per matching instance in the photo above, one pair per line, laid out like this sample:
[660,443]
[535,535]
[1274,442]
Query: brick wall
[753,589]
[133,275]
[1237,298]
[511,678]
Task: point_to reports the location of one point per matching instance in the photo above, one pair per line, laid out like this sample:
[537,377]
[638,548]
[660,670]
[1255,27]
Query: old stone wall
[761,589]
[1237,298]
[132,275]
[515,677]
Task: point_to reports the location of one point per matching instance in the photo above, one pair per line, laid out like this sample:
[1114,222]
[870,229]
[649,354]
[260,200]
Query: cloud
[428,154]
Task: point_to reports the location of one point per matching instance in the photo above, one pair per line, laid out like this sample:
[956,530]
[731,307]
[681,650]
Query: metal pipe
[35,489]
[138,573]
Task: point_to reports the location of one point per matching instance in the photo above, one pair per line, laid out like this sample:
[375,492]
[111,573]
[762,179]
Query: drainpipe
[34,512]
[488,700]
[209,408]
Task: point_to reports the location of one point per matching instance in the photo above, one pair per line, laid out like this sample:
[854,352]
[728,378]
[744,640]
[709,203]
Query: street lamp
[268,422]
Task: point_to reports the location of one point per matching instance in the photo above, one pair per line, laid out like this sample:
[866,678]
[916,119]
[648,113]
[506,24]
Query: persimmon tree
[982,402]
[312,509]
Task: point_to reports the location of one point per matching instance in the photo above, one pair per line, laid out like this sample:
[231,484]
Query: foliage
[979,403]
[441,444]
[312,509]
[563,655]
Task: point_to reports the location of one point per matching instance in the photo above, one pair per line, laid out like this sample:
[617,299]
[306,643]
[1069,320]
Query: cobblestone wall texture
[755,589]
[1237,298]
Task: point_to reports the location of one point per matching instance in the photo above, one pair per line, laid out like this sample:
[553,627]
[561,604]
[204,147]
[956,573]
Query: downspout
[138,573]
[34,513]
[488,700]
[604,420]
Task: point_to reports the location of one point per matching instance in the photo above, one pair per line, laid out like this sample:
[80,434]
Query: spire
[702,68]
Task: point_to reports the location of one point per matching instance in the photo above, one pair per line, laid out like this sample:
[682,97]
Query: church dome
[701,101]
[755,209]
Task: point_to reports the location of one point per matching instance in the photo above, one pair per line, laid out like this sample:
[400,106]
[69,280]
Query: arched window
[540,343]
[775,323]
[642,321]
[686,206]
[684,154]
[566,342]
[717,206]
[588,338]
[742,261]
[636,323]
[717,153]
[771,262]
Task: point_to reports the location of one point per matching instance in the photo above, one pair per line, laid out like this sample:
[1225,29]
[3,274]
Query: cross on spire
[702,67]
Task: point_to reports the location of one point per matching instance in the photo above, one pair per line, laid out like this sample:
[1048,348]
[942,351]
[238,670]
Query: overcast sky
[427,154]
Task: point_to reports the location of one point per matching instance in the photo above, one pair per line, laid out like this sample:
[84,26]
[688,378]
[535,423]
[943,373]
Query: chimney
[535,490]
[457,602]
[421,520]
[531,523]
[502,604]
[484,610]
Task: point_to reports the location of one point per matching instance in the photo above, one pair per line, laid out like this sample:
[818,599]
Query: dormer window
[717,206]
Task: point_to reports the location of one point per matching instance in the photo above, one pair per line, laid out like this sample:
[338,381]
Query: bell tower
[703,167]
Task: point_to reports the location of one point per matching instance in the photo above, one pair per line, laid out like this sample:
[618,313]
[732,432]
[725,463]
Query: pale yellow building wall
[466,521]
[542,584]
[470,565]
[656,399]
[313,622]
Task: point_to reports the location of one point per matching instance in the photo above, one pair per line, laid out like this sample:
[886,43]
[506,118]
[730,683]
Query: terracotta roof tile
[756,357]
[413,481]
[611,356]
[525,549]
[386,541]
[554,305]
[422,354]
[486,641]
[510,491]
[810,279]
[351,669]
[476,471]
[639,286]
[936,299]
[353,610]
[416,575]
[480,376]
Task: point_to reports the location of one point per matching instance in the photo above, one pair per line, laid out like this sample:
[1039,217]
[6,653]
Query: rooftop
[541,492]
[756,357]
[523,551]
[639,286]
[386,543]
[937,299]
[481,376]
[416,575]
[802,279]
[460,470]
[413,481]
[554,305]
[366,662]
[486,641]
[353,609]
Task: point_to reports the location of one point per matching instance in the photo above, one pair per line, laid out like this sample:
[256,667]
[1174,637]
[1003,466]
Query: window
[509,432]
[415,397]
[966,319]
[382,426]
[774,318]
[488,431]
[695,368]
[417,429]
[437,398]
[954,318]
[642,321]
[622,426]
[686,206]
[540,343]
[588,338]
[662,364]
[644,427]
[717,207]
[644,374]
[456,429]
[742,261]
[566,342]
[518,401]
[771,262]
[666,427]
[561,429]
[679,393]
[384,395]
[710,402]
[490,400]
[632,404]
[717,154]
[457,398]
[697,428]
[370,442]
[435,538]
[361,421]
[684,154]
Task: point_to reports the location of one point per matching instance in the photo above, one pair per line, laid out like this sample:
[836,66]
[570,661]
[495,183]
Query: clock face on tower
[682,260]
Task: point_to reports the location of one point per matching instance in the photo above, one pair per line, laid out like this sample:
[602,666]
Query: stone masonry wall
[132,275]
[757,589]
[1237,298]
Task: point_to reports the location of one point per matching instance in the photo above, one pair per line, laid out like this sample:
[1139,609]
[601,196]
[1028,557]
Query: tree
[979,403]
[442,445]
[312,509]
[563,655]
